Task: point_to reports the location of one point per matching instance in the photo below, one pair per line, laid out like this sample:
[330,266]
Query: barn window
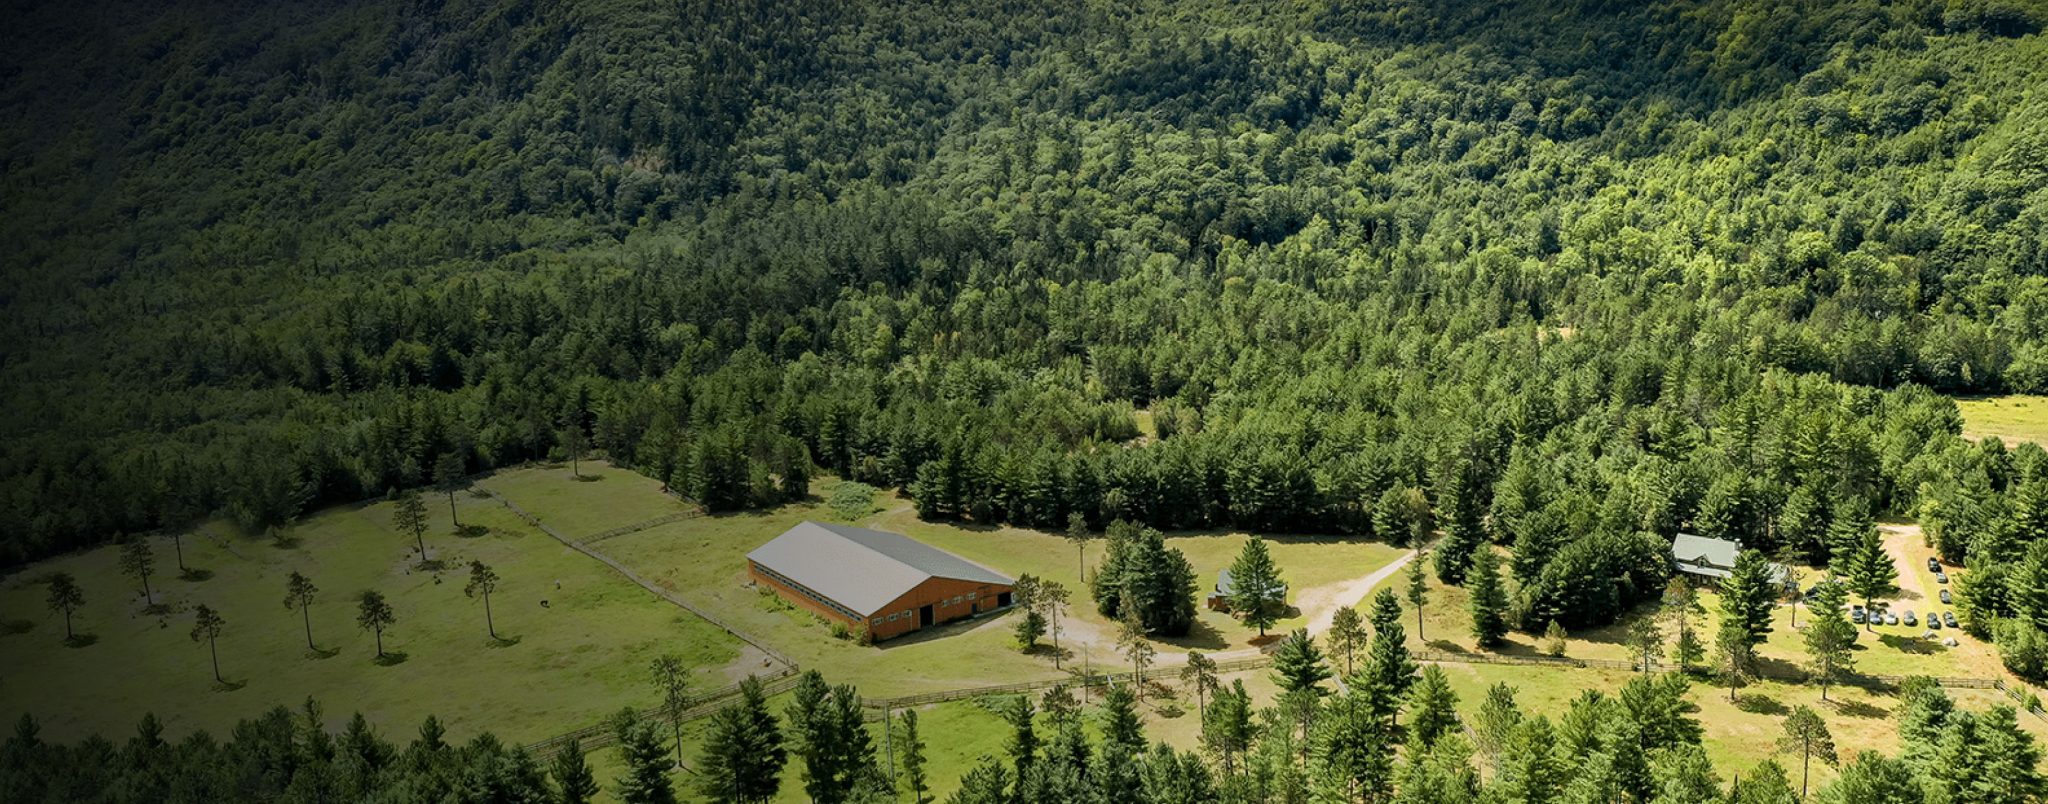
[973,595]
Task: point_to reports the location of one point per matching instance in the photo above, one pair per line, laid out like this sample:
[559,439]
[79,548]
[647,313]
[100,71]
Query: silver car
[1909,619]
[1890,618]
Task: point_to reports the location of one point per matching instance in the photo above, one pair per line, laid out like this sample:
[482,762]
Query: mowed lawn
[1880,649]
[704,560]
[2010,418]
[569,664]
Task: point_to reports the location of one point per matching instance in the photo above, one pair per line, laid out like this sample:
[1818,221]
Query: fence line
[601,735]
[1775,674]
[640,526]
[657,589]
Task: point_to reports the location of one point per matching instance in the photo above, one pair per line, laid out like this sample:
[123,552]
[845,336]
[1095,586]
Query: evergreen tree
[1298,665]
[1023,742]
[1389,671]
[743,752]
[1554,639]
[65,597]
[373,614]
[1200,675]
[1489,602]
[449,479]
[1121,728]
[646,759]
[1682,605]
[1749,594]
[1227,727]
[672,681]
[1498,718]
[409,515]
[482,582]
[1030,624]
[1765,784]
[298,594]
[1530,771]
[1646,641]
[1079,536]
[1808,736]
[913,760]
[1871,778]
[1418,592]
[1347,634]
[1735,656]
[1830,637]
[1683,773]
[1434,708]
[207,624]
[1866,568]
[138,561]
[574,783]
[1255,586]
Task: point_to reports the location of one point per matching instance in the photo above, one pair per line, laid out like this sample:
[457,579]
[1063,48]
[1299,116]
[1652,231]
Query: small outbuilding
[879,583]
[1219,598]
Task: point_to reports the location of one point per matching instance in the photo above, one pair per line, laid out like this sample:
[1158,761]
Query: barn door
[924,616]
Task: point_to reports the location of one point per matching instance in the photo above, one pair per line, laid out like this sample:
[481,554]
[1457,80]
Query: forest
[1566,276]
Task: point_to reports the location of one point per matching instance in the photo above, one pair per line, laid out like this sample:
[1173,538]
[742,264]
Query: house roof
[859,568]
[1690,549]
[1713,558]
[1224,586]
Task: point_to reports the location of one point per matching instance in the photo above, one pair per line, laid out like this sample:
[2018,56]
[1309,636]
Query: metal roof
[1691,549]
[859,568]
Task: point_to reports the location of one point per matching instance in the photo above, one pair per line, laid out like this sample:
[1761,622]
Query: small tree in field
[1131,640]
[673,679]
[1807,734]
[1736,656]
[1031,625]
[298,594]
[1078,535]
[1646,640]
[373,614]
[575,443]
[1347,635]
[448,479]
[207,624]
[1052,597]
[482,582]
[1255,585]
[1200,675]
[1418,590]
[66,597]
[410,515]
[1554,639]
[138,561]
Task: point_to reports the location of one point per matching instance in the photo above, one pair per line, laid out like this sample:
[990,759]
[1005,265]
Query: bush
[2023,648]
[853,500]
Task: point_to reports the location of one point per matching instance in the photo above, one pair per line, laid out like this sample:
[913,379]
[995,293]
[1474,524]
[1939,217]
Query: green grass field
[704,560]
[574,661]
[2010,418]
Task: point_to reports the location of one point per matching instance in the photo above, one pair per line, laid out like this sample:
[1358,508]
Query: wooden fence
[601,735]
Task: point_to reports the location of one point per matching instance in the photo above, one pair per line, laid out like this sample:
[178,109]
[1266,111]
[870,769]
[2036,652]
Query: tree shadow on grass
[1761,705]
[195,574]
[228,686]
[391,658]
[323,653]
[1905,644]
[473,531]
[1860,709]
[81,640]
[505,641]
[582,478]
[1204,636]
[12,627]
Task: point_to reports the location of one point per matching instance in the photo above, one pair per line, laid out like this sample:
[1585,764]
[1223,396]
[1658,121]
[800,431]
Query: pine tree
[482,582]
[1298,665]
[1736,656]
[1200,675]
[410,516]
[1078,536]
[672,681]
[743,753]
[1830,637]
[1530,772]
[207,624]
[1749,594]
[138,561]
[1227,726]
[1807,735]
[1121,727]
[65,597]
[1418,592]
[1498,717]
[913,760]
[1554,639]
[646,779]
[1646,641]
[449,479]
[1255,586]
[1682,605]
[373,614]
[1868,569]
[1389,671]
[574,783]
[1489,602]
[1433,708]
[1347,634]
[1023,743]
[298,594]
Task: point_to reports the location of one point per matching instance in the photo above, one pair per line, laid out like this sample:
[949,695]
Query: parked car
[1856,614]
[1909,619]
[1944,598]
[1933,565]
[1890,618]
[1941,577]
[1933,622]
[1948,618]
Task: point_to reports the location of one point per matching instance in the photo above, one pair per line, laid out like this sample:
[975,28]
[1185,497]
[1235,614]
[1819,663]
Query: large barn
[885,583]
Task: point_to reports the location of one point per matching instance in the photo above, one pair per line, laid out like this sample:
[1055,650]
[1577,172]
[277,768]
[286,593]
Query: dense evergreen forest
[1570,276]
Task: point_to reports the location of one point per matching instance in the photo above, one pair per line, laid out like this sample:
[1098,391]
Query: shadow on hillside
[391,658]
[1762,705]
[1905,644]
[13,627]
[1861,709]
[1205,637]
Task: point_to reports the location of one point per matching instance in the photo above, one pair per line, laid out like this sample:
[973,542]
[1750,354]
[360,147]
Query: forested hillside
[1570,276]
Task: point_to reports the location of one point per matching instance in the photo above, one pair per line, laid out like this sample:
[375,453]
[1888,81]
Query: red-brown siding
[939,593]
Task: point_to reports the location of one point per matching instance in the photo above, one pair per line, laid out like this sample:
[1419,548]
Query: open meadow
[2011,418]
[576,643]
